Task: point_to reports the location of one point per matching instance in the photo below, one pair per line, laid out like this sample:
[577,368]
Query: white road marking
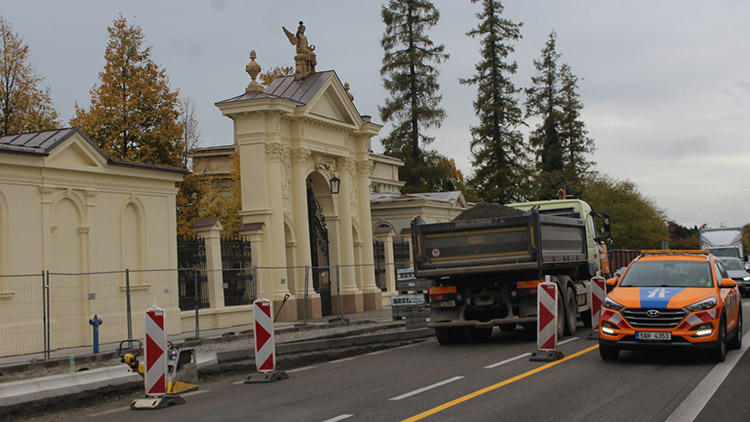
[195,393]
[338,418]
[343,360]
[560,343]
[423,389]
[696,401]
[495,365]
[304,368]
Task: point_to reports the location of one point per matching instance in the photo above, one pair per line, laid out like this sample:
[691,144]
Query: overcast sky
[665,84]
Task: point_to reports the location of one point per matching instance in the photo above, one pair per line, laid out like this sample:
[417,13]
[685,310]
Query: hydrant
[96,322]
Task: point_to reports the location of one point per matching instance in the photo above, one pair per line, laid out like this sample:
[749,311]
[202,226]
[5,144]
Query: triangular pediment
[76,152]
[333,103]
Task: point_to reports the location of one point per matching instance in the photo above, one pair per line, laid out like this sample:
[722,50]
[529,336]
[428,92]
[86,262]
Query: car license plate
[653,336]
[444,304]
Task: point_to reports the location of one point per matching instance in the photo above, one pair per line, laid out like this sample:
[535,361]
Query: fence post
[44,316]
[127,301]
[340,317]
[197,304]
[254,272]
[307,284]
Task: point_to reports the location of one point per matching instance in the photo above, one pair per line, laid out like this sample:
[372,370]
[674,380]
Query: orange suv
[672,299]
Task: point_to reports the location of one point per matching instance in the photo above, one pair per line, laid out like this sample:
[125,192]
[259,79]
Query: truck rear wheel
[560,318]
[570,311]
[443,335]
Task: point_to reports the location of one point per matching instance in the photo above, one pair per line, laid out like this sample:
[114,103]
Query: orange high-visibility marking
[528,284]
[442,290]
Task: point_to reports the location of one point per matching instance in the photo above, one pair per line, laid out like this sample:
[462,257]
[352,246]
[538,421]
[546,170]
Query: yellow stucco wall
[73,212]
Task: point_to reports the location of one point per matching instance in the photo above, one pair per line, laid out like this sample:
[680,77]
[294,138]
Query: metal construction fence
[52,315]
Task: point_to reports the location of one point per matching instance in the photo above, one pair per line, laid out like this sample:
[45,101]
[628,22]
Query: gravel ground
[488,210]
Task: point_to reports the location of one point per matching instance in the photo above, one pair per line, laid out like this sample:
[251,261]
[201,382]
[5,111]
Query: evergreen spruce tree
[576,144]
[24,105]
[410,76]
[497,147]
[543,101]
[134,115]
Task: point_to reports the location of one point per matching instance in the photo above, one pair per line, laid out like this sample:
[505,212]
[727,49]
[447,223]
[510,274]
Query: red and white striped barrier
[155,365]
[597,292]
[546,337]
[265,348]
[156,352]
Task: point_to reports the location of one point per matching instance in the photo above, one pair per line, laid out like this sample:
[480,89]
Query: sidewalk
[33,381]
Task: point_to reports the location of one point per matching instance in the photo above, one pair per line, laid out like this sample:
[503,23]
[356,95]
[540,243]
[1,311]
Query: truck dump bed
[524,242]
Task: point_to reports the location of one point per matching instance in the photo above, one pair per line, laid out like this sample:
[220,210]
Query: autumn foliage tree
[269,75]
[636,221]
[24,105]
[134,115]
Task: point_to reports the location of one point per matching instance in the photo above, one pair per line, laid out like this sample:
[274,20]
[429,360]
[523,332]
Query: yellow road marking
[495,387]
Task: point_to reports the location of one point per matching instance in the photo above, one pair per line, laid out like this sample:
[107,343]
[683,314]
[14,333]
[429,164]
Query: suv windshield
[668,274]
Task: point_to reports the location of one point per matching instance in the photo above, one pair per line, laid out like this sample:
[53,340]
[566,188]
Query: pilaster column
[365,221]
[253,232]
[385,235]
[300,157]
[277,246]
[210,230]
[346,249]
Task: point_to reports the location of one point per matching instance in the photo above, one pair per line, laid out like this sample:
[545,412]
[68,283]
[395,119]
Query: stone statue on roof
[305,60]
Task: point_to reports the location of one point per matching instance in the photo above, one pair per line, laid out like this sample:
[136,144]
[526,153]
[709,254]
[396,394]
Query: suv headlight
[746,278]
[702,305]
[611,304]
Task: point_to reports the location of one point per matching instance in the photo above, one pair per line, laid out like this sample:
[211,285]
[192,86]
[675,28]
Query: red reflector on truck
[442,290]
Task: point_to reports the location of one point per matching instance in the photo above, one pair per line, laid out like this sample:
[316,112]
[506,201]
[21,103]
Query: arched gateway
[293,139]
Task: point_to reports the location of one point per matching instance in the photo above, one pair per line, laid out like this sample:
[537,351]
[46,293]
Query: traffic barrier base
[546,356]
[151,403]
[264,378]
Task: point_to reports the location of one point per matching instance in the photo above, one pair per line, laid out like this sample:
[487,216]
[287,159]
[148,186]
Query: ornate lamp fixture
[334,181]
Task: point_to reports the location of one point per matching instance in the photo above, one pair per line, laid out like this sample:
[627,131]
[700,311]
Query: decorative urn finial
[253,69]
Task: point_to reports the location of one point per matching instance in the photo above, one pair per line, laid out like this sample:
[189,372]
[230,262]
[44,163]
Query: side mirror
[612,282]
[728,283]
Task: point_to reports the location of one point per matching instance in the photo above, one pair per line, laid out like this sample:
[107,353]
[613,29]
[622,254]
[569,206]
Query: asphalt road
[478,382]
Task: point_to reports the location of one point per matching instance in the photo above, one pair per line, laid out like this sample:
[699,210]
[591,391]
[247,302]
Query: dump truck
[485,271]
[723,241]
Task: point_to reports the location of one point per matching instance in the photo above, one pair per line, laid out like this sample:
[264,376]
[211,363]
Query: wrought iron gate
[378,249]
[401,256]
[191,260]
[321,270]
[237,273]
